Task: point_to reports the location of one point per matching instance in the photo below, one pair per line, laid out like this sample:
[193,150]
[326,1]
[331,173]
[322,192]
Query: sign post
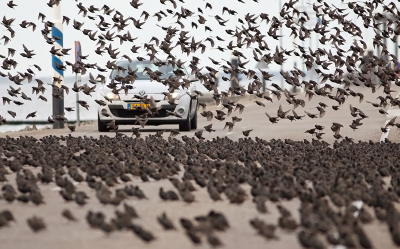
[234,62]
[78,51]
[58,103]
[262,65]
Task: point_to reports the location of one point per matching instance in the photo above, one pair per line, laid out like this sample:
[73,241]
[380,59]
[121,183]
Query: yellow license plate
[133,106]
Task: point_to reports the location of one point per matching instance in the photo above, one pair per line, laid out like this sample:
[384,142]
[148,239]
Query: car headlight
[109,95]
[113,96]
[174,95]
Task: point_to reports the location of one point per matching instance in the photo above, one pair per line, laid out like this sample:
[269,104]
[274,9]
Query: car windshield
[140,65]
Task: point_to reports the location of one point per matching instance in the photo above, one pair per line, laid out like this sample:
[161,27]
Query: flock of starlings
[330,182]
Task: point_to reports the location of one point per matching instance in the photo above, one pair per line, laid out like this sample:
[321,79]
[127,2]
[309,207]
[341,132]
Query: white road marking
[56,189]
[391,114]
[229,133]
[385,134]
[358,204]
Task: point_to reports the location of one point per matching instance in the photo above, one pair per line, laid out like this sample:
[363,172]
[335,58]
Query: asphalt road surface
[254,118]
[64,234]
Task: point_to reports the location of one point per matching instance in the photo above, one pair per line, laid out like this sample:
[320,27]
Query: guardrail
[43,122]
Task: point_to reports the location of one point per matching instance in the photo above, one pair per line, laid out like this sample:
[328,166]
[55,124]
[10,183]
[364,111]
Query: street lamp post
[58,103]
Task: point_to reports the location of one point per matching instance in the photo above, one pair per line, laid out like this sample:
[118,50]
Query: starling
[36,224]
[71,128]
[165,222]
[68,215]
[246,133]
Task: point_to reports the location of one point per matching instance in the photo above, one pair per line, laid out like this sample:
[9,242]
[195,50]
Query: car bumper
[118,111]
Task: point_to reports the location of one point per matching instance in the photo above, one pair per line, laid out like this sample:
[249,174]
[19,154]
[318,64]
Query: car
[125,106]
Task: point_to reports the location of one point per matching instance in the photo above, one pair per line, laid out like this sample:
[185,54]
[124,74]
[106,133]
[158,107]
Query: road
[254,118]
[63,234]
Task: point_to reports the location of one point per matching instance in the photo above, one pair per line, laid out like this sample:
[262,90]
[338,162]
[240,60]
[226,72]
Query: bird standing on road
[72,127]
[36,224]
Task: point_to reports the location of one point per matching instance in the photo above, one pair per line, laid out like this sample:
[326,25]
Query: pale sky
[28,10]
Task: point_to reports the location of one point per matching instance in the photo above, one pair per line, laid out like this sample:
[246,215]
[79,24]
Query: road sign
[78,51]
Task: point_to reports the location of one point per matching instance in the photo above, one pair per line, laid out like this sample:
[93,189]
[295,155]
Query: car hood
[146,87]
[149,87]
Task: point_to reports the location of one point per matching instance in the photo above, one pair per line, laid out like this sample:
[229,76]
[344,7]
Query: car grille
[124,113]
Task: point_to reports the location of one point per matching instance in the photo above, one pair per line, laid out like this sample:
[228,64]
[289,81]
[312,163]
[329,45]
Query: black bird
[66,213]
[230,125]
[186,223]
[32,114]
[13,114]
[273,120]
[246,133]
[209,128]
[130,211]
[72,127]
[311,115]
[36,224]
[199,134]
[11,4]
[165,222]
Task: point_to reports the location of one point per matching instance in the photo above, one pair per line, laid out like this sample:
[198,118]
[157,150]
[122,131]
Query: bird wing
[210,116]
[280,110]
[322,113]
[152,102]
[230,126]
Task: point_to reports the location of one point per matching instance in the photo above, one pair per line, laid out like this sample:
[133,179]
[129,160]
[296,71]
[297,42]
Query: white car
[125,108]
